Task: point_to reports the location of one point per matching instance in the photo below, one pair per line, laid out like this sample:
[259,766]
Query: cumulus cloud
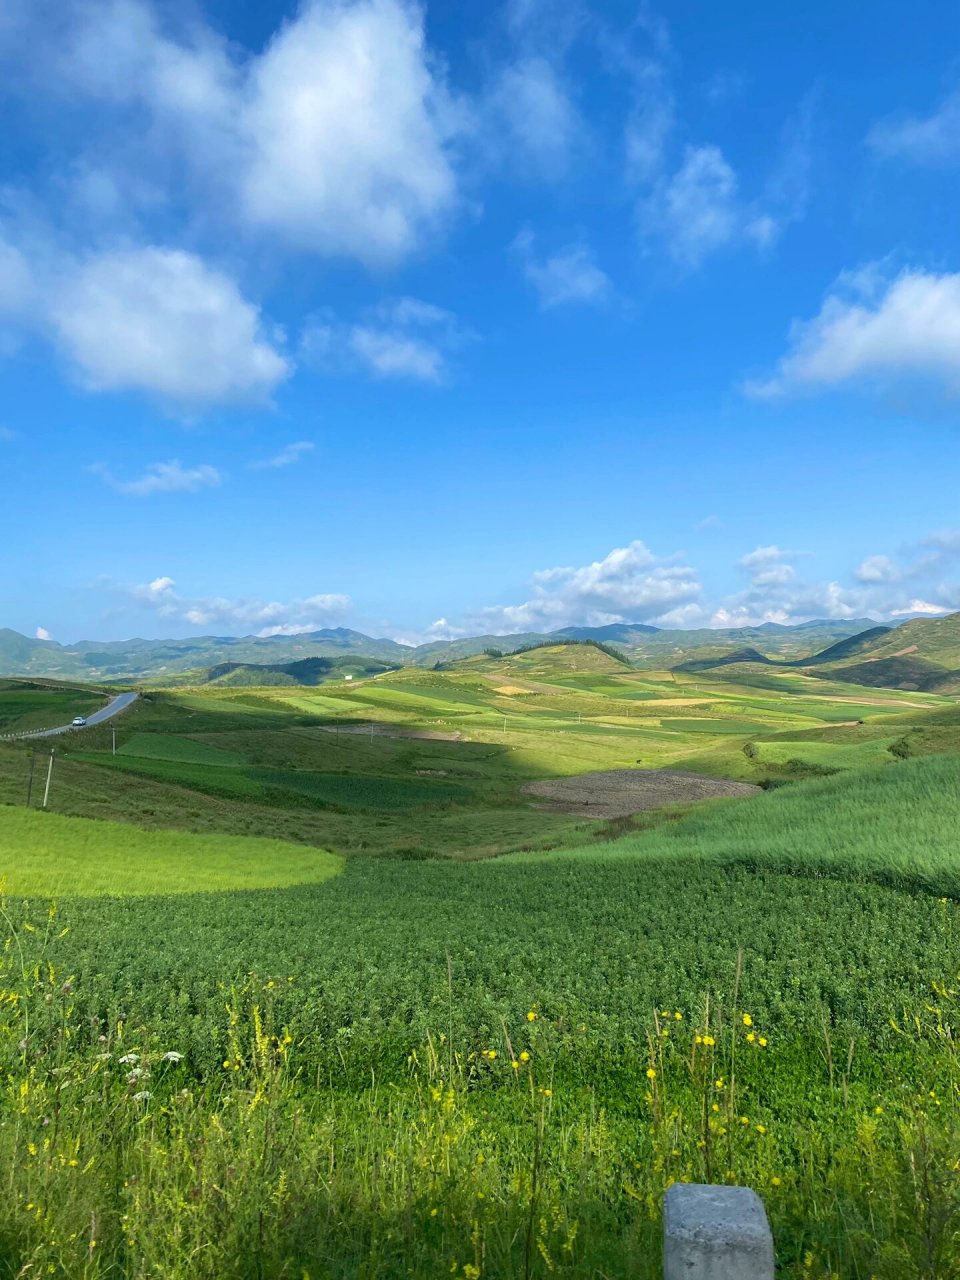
[778,592]
[569,276]
[404,338]
[162,477]
[265,618]
[932,139]
[152,319]
[698,210]
[878,569]
[346,123]
[334,139]
[43,634]
[922,607]
[288,455]
[630,584]
[163,321]
[872,329]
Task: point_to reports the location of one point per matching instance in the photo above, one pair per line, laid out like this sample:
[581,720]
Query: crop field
[289,1017]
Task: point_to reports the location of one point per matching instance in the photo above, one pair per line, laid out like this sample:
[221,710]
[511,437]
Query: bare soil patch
[616,793]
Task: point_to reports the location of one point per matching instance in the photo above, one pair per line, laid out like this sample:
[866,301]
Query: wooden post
[46,789]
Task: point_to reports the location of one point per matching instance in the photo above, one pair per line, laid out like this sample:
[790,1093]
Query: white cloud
[768,567]
[404,338]
[43,634]
[344,125]
[568,276]
[265,618]
[163,321]
[439,630]
[933,139]
[878,569]
[871,329]
[336,138]
[630,584]
[150,319]
[698,210]
[777,593]
[163,477]
[288,455]
[923,607]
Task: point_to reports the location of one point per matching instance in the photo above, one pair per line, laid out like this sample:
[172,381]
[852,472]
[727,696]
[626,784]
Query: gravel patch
[616,793]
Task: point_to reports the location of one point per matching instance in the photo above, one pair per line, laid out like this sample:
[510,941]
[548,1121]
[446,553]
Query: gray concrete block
[715,1233]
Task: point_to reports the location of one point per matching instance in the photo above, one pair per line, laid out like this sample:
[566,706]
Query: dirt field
[616,793]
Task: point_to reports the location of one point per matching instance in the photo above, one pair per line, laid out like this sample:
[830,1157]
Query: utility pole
[46,789]
[33,761]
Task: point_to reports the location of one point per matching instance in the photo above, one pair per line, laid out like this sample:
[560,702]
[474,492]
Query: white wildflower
[142,1096]
[128,1058]
[172,1056]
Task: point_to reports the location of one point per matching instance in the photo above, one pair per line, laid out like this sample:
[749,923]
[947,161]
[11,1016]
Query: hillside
[307,672]
[923,654]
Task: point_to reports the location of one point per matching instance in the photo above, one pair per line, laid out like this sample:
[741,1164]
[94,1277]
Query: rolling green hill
[922,655]
[306,673]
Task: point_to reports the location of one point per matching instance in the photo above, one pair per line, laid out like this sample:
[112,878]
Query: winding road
[113,708]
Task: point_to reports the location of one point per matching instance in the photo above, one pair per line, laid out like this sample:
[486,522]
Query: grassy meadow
[289,1017]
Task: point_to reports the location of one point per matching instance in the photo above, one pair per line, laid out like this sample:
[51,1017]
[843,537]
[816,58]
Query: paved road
[119,703]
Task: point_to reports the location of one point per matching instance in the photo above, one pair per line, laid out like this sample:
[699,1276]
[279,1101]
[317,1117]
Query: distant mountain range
[169,661]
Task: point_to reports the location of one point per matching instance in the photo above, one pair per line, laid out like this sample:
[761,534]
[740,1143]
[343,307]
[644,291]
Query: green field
[46,855]
[403,1057]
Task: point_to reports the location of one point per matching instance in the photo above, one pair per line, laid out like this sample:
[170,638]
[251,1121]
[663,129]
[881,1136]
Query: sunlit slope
[897,824]
[47,855]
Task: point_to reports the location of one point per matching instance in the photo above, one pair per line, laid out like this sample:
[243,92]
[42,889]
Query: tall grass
[897,824]
[122,1159]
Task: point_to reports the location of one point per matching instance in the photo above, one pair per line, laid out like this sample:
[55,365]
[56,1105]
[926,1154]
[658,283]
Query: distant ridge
[184,661]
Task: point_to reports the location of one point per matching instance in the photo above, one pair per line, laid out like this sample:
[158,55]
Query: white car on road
[77,722]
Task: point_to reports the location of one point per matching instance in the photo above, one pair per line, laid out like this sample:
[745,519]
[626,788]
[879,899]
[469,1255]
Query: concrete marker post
[715,1233]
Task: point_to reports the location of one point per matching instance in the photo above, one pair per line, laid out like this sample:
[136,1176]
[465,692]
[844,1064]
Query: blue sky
[444,319]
